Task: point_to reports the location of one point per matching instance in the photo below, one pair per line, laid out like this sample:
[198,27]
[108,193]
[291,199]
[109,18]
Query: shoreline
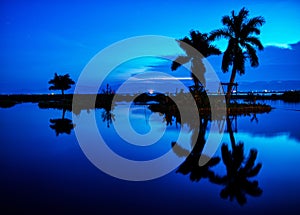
[57,101]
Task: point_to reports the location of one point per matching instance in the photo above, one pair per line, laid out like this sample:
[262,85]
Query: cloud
[279,45]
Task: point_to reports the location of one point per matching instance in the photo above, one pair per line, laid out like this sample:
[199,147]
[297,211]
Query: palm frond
[255,41]
[213,50]
[250,160]
[179,61]
[254,171]
[252,189]
[226,155]
[252,26]
[213,161]
[239,60]
[227,21]
[252,55]
[226,61]
[220,33]
[255,22]
[239,21]
[238,155]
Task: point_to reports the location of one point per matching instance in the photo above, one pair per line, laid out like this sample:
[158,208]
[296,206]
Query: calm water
[46,173]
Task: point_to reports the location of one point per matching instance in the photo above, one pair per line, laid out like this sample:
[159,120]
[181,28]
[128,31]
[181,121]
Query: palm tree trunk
[63,113]
[230,131]
[63,94]
[231,82]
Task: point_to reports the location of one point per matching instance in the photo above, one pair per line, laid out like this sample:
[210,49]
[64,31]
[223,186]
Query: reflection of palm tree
[236,181]
[191,163]
[239,170]
[239,31]
[170,113]
[107,116]
[202,44]
[62,125]
[254,118]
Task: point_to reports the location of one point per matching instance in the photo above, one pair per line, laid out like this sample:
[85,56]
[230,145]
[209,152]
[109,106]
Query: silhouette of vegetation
[291,96]
[61,82]
[239,169]
[7,103]
[108,90]
[191,164]
[62,125]
[107,115]
[236,182]
[202,49]
[240,32]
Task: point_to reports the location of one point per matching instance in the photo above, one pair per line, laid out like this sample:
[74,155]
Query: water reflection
[21,158]
[191,164]
[237,181]
[62,125]
[107,115]
[239,169]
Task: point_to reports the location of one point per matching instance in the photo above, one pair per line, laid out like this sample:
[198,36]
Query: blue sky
[39,38]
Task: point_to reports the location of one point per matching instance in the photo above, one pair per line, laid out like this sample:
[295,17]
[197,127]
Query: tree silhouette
[107,115]
[191,164]
[61,82]
[239,169]
[242,43]
[202,49]
[62,125]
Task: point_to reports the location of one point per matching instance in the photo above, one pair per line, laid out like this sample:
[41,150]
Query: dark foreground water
[48,174]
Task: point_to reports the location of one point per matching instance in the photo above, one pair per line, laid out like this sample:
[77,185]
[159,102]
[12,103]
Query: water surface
[44,170]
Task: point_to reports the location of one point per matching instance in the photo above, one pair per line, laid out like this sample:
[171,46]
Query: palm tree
[107,115]
[61,82]
[191,164]
[239,169]
[240,31]
[62,125]
[236,182]
[202,49]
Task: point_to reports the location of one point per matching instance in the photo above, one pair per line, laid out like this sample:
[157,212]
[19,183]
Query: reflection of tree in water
[239,169]
[191,163]
[107,105]
[107,115]
[62,125]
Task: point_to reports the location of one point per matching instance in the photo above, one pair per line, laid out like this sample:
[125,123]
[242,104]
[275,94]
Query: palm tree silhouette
[62,125]
[202,49]
[239,169]
[240,32]
[191,163]
[107,116]
[61,82]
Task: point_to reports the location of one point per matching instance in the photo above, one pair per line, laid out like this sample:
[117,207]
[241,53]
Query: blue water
[49,174]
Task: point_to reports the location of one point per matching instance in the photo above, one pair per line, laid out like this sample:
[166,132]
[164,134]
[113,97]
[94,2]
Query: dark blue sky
[39,38]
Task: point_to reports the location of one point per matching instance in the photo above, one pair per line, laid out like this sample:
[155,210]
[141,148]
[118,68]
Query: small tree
[61,82]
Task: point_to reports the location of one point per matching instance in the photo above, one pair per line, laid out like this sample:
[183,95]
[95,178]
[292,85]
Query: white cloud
[279,45]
